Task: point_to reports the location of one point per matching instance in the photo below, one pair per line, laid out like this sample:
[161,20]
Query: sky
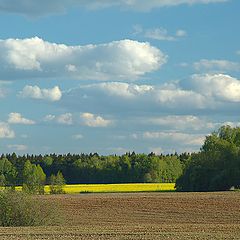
[110,76]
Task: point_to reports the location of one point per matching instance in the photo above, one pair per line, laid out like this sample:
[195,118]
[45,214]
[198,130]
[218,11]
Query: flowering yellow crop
[127,187]
[105,188]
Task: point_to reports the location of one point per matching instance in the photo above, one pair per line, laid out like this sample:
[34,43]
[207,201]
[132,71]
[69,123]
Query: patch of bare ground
[140,216]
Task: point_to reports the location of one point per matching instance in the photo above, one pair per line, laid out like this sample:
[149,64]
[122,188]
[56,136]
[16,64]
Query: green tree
[57,183]
[47,160]
[216,166]
[2,180]
[8,173]
[33,178]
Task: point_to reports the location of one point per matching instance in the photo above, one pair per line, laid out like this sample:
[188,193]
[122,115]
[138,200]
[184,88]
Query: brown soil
[140,216]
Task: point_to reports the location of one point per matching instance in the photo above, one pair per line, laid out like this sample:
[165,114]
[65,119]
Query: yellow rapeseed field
[127,187]
[108,188]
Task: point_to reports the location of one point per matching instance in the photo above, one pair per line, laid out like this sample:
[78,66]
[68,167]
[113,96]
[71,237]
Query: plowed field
[140,216]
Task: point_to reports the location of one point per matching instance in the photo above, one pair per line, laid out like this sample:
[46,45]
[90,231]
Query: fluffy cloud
[49,118]
[119,89]
[216,65]
[33,57]
[65,118]
[121,97]
[6,131]
[92,120]
[219,86]
[35,92]
[18,147]
[187,139]
[17,118]
[33,8]
[177,97]
[181,122]
[190,105]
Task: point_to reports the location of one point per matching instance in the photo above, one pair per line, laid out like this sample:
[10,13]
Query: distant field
[133,216]
[111,188]
[106,188]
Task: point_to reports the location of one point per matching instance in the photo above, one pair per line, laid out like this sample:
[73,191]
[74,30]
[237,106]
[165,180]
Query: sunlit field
[135,187]
[108,188]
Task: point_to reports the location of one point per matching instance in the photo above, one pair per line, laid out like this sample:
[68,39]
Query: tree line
[215,167]
[89,168]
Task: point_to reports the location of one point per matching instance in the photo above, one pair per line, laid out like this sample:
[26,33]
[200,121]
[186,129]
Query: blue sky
[116,76]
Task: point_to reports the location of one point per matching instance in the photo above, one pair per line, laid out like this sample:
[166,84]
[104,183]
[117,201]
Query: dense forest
[215,167]
[93,168]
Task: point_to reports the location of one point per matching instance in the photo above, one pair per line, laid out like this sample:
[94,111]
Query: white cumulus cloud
[119,89]
[17,118]
[92,120]
[122,97]
[219,86]
[34,57]
[65,118]
[35,92]
[178,97]
[6,131]
[180,102]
